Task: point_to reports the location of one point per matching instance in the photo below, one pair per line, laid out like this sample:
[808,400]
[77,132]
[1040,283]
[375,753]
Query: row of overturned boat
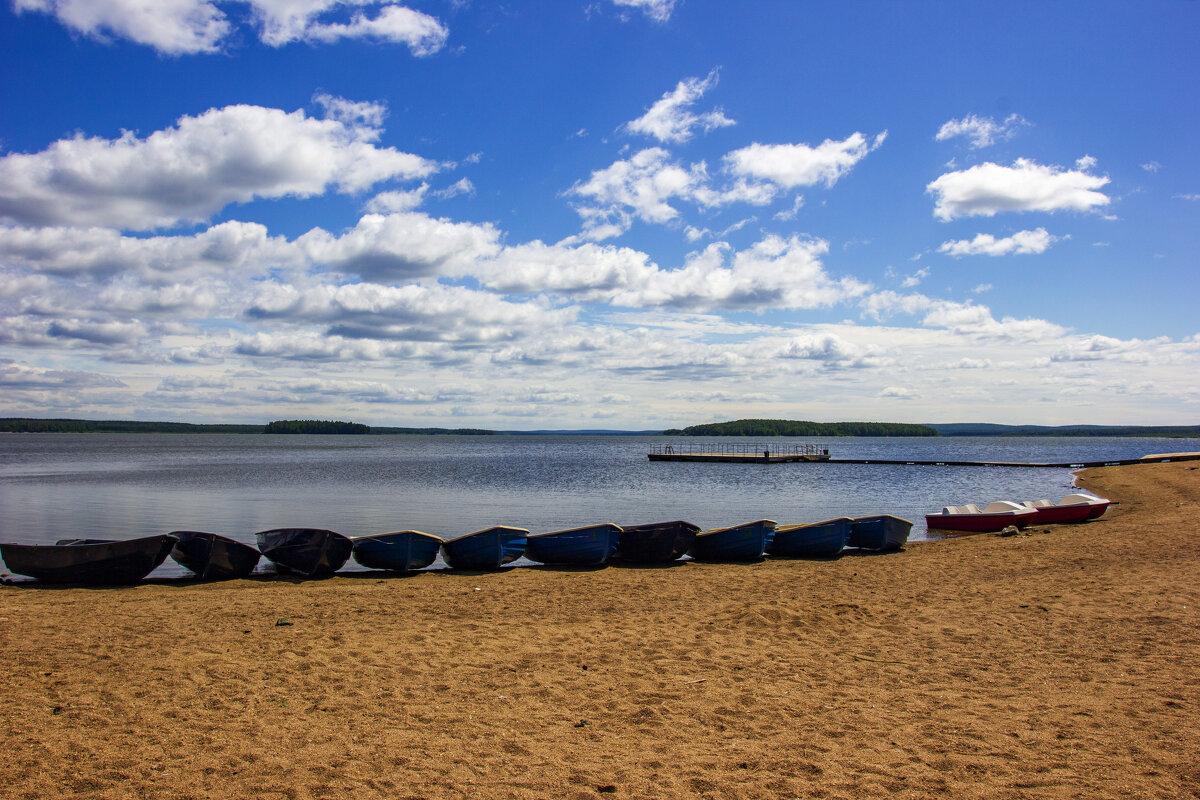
[318,553]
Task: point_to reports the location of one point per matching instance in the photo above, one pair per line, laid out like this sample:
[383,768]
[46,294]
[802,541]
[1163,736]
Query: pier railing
[736,449]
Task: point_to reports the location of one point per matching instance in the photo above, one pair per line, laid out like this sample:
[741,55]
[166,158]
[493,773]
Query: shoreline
[1050,664]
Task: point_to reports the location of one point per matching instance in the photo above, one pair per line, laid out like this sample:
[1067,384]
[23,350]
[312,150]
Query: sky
[600,214]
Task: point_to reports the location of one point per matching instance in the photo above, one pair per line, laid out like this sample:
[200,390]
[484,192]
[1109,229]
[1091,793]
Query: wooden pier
[780,454]
[739,453]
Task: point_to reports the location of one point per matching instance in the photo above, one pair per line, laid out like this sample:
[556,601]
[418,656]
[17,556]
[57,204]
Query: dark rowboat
[94,561]
[746,542]
[490,548]
[655,542]
[214,557]
[811,540]
[879,532]
[311,552]
[590,545]
[400,551]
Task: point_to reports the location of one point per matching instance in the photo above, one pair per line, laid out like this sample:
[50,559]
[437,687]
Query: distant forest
[309,426]
[22,425]
[987,429]
[784,427]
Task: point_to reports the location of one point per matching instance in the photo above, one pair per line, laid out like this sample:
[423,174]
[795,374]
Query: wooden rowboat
[745,542]
[811,540]
[400,551]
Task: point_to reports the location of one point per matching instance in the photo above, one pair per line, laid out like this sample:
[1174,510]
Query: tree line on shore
[786,427]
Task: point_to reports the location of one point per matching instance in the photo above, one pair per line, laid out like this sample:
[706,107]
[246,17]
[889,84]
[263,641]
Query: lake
[120,486]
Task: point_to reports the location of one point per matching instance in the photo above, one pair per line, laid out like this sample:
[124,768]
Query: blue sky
[615,213]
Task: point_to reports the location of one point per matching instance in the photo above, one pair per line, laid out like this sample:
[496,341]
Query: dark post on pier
[738,453]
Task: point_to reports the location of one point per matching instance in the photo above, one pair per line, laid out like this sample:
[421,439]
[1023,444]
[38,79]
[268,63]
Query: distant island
[990,429]
[785,427]
[283,426]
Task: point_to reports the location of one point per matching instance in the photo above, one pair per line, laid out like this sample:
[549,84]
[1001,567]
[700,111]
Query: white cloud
[669,119]
[169,26]
[412,313]
[15,376]
[643,186]
[915,279]
[1152,166]
[792,165]
[657,10]
[773,273]
[981,131]
[988,189]
[395,201]
[229,248]
[192,170]
[403,246]
[177,27]
[1020,243]
[1085,162]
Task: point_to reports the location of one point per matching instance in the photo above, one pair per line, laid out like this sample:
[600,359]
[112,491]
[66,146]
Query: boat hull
[213,557]
[814,540]
[881,532]
[655,542]
[90,561]
[745,542]
[488,549]
[401,551]
[587,546]
[311,552]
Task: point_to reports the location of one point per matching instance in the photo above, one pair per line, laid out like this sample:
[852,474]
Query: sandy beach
[1056,664]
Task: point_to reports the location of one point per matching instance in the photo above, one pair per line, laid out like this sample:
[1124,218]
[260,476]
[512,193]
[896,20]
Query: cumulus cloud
[403,246]
[195,168]
[22,377]
[981,131]
[177,27]
[773,273]
[413,313]
[657,10]
[228,248]
[1021,243]
[966,319]
[643,186]
[988,189]
[792,165]
[670,120]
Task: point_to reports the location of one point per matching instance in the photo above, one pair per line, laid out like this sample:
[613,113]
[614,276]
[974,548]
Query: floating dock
[739,453]
[780,454]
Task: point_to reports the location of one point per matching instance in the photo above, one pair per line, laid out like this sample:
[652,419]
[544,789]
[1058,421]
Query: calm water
[121,486]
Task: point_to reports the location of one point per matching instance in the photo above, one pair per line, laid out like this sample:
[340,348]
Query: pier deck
[739,453]
[765,454]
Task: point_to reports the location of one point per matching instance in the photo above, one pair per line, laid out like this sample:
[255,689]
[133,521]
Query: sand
[1057,664]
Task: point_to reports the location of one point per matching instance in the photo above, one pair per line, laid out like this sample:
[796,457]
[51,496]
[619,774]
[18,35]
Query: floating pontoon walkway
[739,453]
[766,454]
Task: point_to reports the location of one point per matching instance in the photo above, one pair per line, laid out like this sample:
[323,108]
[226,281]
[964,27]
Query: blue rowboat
[880,532]
[311,552]
[745,542]
[400,551]
[590,545]
[811,540]
[490,548]
[213,557]
[655,542]
[93,561]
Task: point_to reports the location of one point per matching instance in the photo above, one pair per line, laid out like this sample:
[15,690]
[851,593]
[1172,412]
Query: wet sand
[1056,664]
